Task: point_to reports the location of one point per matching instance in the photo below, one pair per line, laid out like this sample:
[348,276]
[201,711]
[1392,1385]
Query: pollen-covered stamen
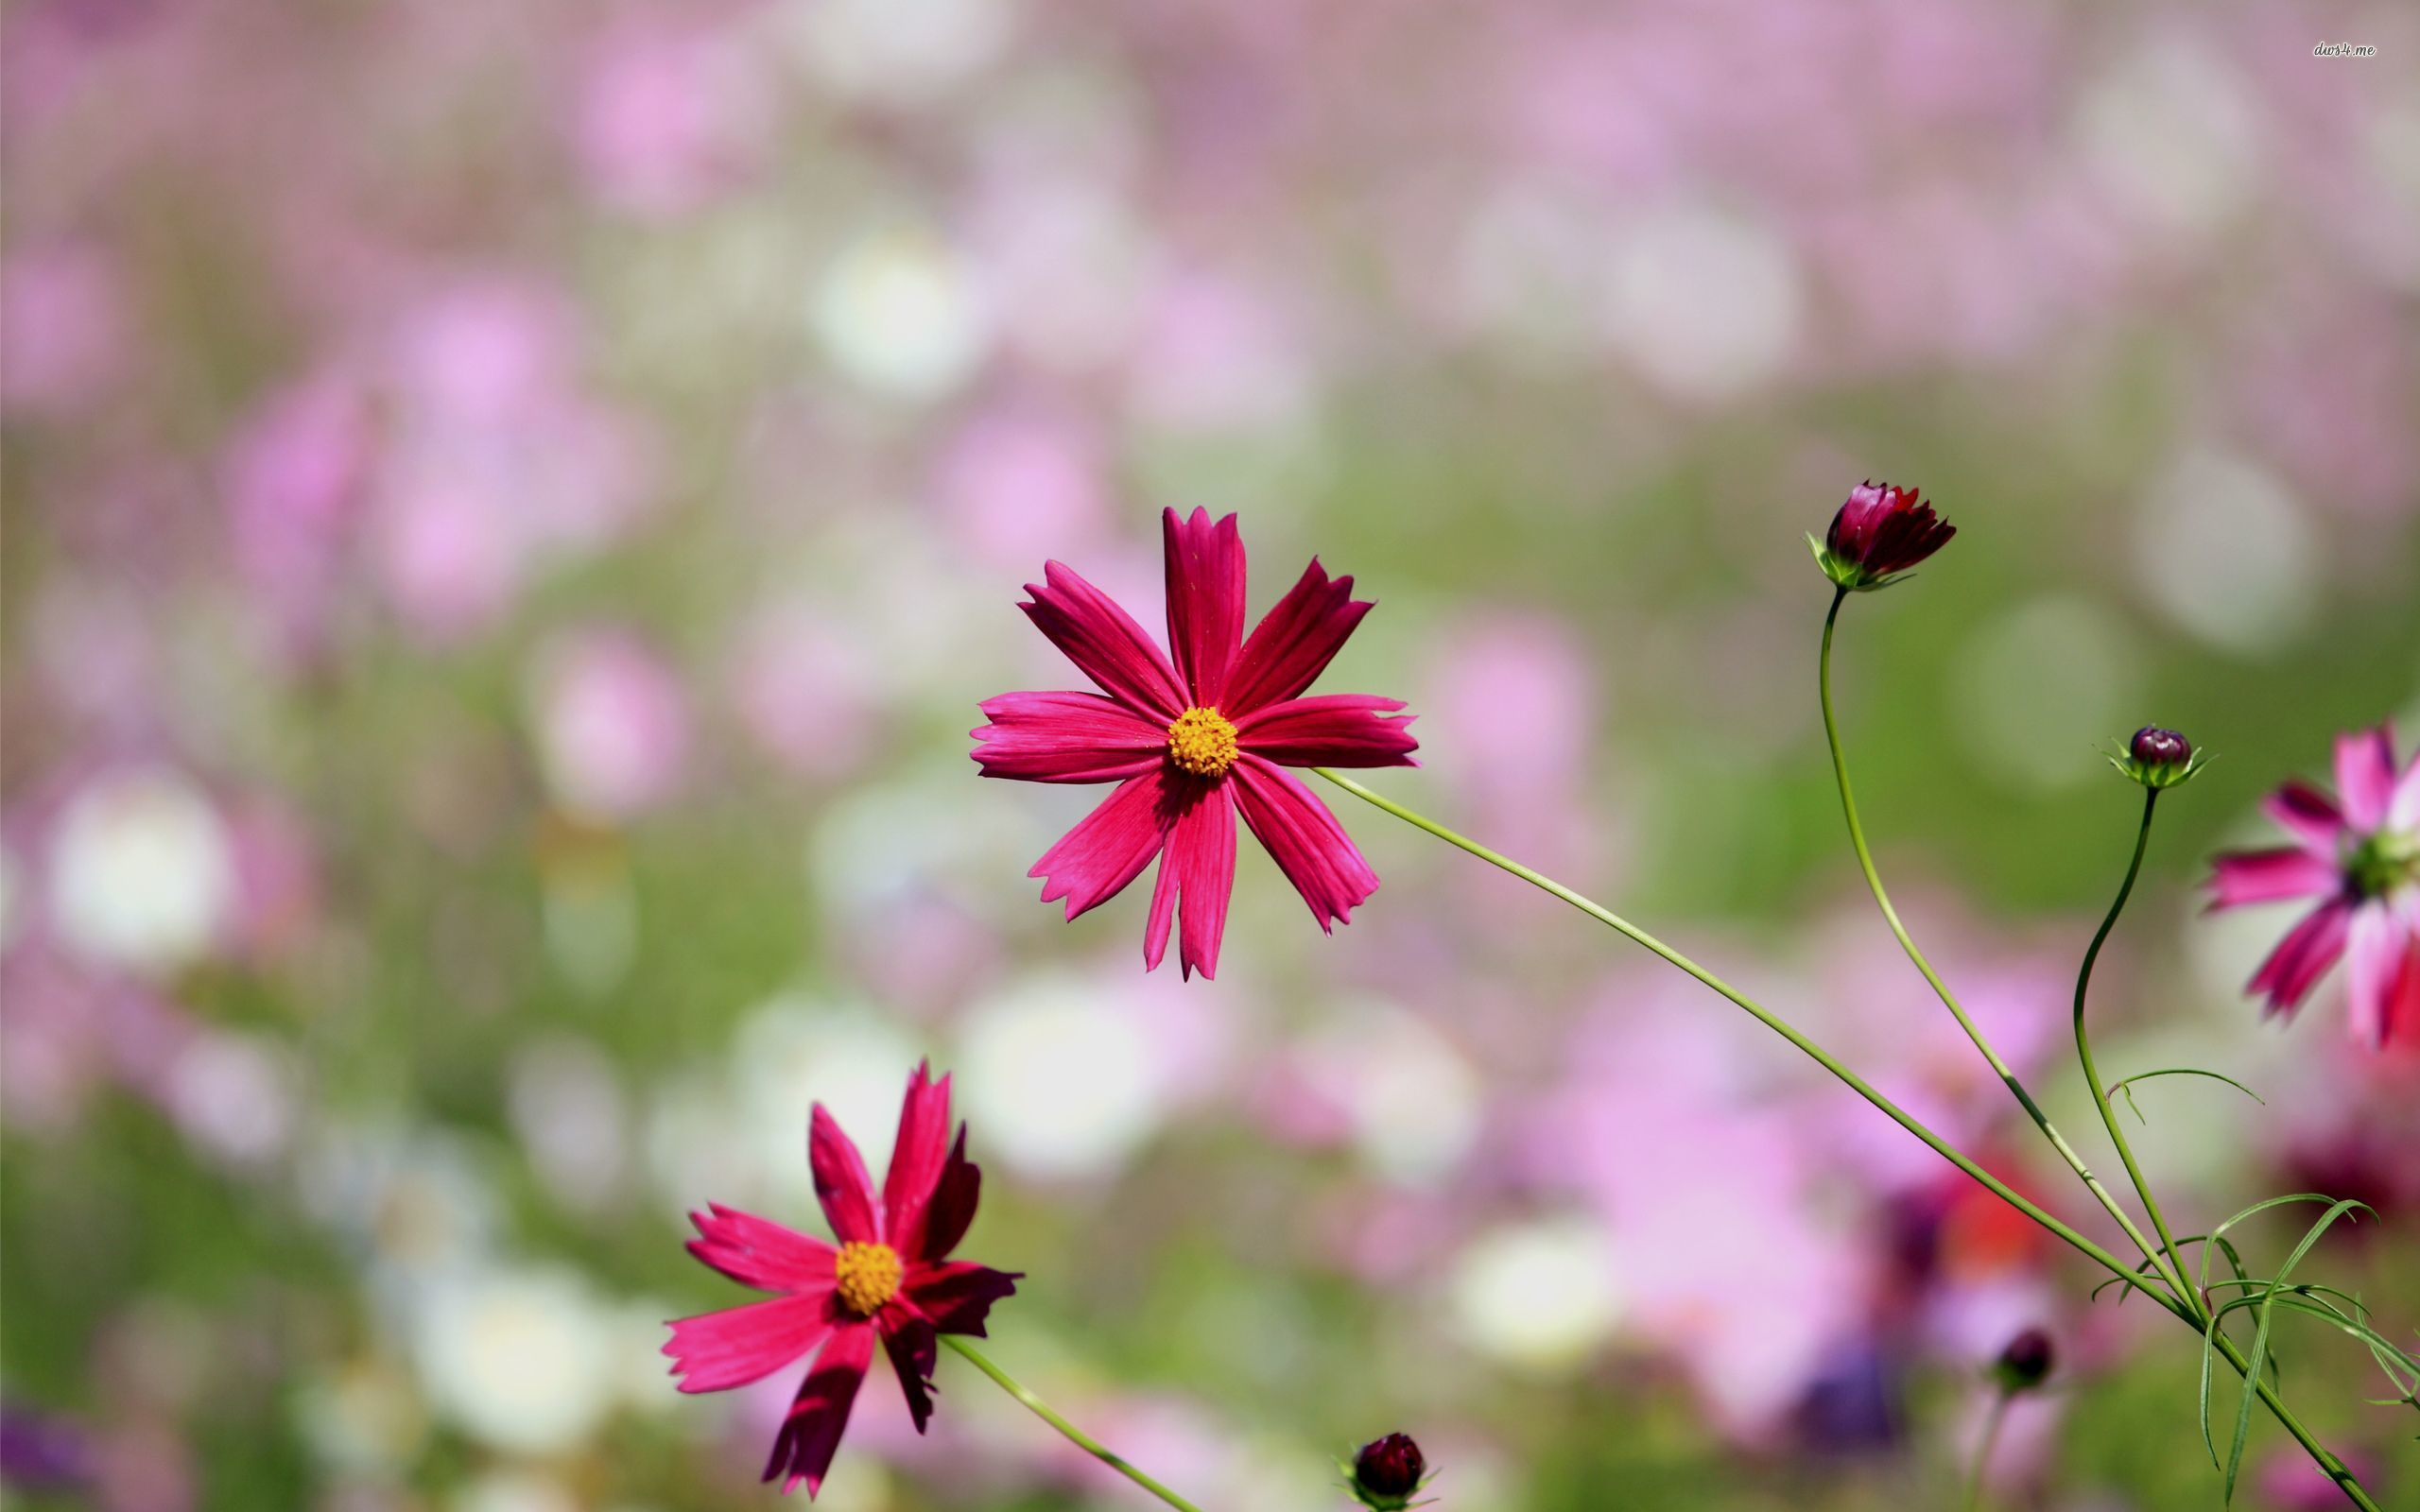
[867,1277]
[1201,742]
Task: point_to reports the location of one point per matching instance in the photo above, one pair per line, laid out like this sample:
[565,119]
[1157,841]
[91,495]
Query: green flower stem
[2327,1462]
[1999,1068]
[1992,1425]
[2092,1077]
[1074,1435]
[1769,1018]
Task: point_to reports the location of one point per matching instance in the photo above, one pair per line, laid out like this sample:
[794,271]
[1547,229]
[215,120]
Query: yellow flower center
[869,1276]
[1202,742]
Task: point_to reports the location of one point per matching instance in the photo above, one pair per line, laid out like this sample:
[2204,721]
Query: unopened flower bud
[1879,532]
[1388,1473]
[2026,1361]
[2158,758]
[2163,748]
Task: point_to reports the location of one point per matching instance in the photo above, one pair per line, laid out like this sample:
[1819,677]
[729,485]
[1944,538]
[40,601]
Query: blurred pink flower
[806,689]
[291,478]
[667,120]
[1514,699]
[64,329]
[613,724]
[1017,479]
[1190,743]
[889,1277]
[1729,1260]
[2363,861]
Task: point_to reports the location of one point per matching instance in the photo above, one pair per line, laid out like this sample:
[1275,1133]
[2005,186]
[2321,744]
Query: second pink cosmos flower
[1191,740]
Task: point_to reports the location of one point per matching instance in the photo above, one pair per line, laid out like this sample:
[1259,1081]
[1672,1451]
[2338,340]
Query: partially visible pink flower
[667,120]
[64,337]
[613,725]
[1190,743]
[2358,853]
[889,1277]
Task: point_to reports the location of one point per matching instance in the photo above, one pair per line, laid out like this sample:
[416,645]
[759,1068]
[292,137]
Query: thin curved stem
[1763,1015]
[2334,1468]
[1992,1425]
[1074,1435]
[2168,1275]
[2092,1075]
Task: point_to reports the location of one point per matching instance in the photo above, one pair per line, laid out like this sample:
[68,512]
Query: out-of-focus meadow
[511,510]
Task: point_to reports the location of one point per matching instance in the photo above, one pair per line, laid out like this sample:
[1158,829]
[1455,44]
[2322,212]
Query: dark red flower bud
[2158,758]
[2026,1361]
[1387,1470]
[2155,747]
[1880,532]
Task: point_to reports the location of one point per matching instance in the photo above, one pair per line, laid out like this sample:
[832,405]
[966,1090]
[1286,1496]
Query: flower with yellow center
[1202,742]
[868,1275]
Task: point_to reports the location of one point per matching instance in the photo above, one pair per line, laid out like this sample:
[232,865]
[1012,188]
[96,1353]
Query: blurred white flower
[515,1490]
[1531,273]
[1058,1077]
[364,1417]
[2227,551]
[1412,1098]
[899,313]
[520,1359]
[797,1050]
[1707,303]
[234,1095]
[568,1115]
[1540,1296]
[142,875]
[2170,133]
[899,52]
[2033,690]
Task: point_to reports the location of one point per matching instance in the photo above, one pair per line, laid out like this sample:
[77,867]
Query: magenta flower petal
[914,1350]
[2303,957]
[957,1297]
[1295,640]
[1199,866]
[2382,969]
[952,1205]
[917,1157]
[1205,593]
[1330,730]
[2366,776]
[841,1181]
[717,1352]
[1305,839]
[755,1252]
[2266,876]
[1067,737]
[2403,812]
[1110,845]
[811,1432]
[2310,815]
[1104,642]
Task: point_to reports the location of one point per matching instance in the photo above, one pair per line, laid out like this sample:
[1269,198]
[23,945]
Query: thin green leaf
[2125,1084]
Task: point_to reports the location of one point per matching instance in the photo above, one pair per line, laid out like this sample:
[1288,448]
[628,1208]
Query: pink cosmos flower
[1190,743]
[2359,855]
[887,1278]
